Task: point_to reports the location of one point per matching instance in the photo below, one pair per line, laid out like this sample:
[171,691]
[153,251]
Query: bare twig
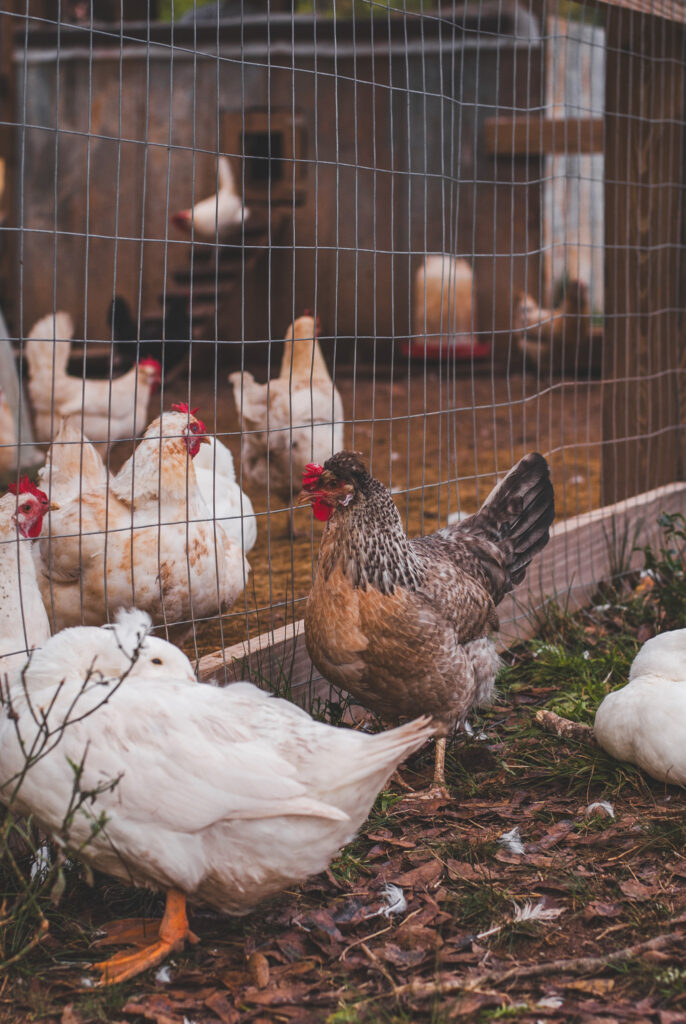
[576,965]
[564,728]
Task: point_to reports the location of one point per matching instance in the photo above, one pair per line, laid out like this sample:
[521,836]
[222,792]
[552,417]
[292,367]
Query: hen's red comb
[151,361]
[27,486]
[184,407]
[311,475]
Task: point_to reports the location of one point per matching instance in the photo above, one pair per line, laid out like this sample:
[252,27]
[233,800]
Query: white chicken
[106,410]
[223,796]
[213,218]
[645,721]
[229,505]
[291,420]
[145,535]
[23,620]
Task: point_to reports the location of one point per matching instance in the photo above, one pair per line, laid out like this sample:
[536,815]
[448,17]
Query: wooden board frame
[645,114]
[583,551]
[532,135]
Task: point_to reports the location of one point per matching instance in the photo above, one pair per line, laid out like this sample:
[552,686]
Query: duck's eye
[157,661]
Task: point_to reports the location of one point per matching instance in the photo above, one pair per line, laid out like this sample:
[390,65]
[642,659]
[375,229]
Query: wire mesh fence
[470,214]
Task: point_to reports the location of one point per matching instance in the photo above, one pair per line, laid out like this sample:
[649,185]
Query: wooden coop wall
[381,108]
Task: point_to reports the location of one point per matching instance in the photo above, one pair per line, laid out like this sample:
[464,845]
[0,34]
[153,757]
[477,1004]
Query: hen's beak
[52,507]
[205,439]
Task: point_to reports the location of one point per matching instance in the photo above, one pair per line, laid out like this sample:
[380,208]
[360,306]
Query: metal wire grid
[407,92]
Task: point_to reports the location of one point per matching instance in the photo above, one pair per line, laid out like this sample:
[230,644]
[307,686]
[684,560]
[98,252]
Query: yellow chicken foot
[173,932]
[438,788]
[439,769]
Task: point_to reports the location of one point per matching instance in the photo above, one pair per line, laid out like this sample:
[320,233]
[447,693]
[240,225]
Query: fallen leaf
[219,1004]
[425,875]
[463,871]
[635,890]
[471,1002]
[403,958]
[258,969]
[599,909]
[69,1015]
[154,1011]
[555,835]
[412,936]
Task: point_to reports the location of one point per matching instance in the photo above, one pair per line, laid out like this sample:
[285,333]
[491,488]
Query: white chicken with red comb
[213,218]
[106,410]
[144,537]
[23,620]
[292,419]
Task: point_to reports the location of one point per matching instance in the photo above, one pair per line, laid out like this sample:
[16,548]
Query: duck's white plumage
[645,722]
[226,795]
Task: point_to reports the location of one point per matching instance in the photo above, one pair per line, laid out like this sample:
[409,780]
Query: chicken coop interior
[440,234]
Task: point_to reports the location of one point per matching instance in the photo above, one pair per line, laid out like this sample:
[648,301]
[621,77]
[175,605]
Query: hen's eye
[26,507]
[157,661]
[194,428]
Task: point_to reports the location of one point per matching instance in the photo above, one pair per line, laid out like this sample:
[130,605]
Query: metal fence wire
[442,234]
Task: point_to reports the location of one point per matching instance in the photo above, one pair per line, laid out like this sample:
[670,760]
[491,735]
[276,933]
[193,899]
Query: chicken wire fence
[471,214]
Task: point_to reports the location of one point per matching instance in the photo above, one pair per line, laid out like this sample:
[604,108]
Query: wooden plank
[645,114]
[583,551]
[529,136]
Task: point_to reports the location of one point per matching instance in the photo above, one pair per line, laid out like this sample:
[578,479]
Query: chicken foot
[438,788]
[173,932]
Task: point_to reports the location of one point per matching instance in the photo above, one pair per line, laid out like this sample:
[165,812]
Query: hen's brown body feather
[403,625]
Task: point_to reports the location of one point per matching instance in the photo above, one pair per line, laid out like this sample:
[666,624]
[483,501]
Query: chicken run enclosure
[471,213]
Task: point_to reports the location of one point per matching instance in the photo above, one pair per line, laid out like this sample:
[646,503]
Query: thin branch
[564,728]
[576,965]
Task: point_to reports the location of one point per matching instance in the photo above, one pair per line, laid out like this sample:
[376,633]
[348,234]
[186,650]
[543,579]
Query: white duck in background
[223,796]
[229,505]
[214,217]
[645,722]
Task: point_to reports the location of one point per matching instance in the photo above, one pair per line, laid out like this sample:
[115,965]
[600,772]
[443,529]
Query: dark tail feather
[520,509]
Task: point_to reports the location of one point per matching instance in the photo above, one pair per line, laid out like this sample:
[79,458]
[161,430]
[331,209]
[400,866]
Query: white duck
[229,505]
[223,796]
[645,721]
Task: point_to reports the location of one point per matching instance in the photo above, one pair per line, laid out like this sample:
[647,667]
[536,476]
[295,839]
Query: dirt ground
[436,437]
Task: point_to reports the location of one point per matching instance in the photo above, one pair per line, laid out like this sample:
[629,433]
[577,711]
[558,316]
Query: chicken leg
[173,932]
[438,788]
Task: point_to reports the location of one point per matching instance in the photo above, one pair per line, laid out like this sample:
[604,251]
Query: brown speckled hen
[405,625]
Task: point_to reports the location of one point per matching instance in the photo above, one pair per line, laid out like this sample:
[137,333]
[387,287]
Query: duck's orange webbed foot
[173,931]
[130,931]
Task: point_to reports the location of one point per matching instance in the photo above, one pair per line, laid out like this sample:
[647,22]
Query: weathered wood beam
[532,135]
[644,146]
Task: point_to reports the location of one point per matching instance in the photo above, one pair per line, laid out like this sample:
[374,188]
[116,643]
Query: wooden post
[644,140]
